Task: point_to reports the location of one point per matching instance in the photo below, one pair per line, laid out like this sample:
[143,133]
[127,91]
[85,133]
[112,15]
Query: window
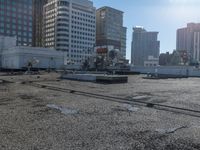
[2,30]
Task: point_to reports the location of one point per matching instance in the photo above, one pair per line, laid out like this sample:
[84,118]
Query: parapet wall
[169,70]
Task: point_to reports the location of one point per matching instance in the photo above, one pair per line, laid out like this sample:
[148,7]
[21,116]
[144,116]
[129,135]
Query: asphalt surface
[33,118]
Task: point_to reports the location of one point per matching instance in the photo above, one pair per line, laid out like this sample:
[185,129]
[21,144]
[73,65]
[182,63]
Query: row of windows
[50,44]
[15,17]
[50,7]
[13,32]
[82,38]
[50,25]
[81,47]
[7,8]
[63,30]
[49,18]
[51,21]
[83,14]
[84,29]
[63,3]
[62,34]
[25,3]
[15,21]
[83,33]
[63,49]
[49,31]
[63,24]
[63,19]
[83,24]
[73,36]
[79,23]
[63,15]
[62,40]
[63,9]
[14,27]
[19,39]
[49,35]
[81,42]
[83,19]
[66,40]
[62,45]
[50,13]
[76,56]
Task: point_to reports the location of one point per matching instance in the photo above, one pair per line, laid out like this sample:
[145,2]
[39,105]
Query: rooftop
[109,8]
[45,112]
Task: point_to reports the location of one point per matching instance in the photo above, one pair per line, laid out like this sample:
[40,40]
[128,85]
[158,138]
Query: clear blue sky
[164,16]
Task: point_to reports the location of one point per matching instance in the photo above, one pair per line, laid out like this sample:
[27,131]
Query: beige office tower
[70,26]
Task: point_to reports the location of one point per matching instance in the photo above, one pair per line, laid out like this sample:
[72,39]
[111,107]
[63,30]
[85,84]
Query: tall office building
[70,26]
[38,6]
[144,46]
[16,20]
[110,30]
[188,40]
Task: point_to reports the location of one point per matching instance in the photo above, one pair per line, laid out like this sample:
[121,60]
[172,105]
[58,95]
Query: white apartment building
[70,26]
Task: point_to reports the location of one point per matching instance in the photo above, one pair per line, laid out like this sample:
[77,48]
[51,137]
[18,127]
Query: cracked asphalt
[27,123]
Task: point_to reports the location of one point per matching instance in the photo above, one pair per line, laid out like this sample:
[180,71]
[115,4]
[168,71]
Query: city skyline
[164,16]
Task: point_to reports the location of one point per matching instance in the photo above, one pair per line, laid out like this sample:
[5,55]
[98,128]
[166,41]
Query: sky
[164,16]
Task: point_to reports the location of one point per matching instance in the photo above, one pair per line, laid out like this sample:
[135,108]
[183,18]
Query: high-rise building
[16,20]
[196,52]
[144,46]
[38,6]
[110,30]
[188,40]
[70,26]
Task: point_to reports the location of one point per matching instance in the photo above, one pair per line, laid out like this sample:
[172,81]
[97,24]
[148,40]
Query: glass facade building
[110,30]
[16,20]
[38,6]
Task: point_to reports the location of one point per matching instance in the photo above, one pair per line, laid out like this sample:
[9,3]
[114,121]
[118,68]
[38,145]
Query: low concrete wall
[99,78]
[81,77]
[169,70]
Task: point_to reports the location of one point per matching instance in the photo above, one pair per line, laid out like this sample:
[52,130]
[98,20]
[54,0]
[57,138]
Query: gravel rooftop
[33,118]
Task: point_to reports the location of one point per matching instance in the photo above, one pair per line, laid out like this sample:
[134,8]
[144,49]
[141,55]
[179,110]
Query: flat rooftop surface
[97,75]
[38,118]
